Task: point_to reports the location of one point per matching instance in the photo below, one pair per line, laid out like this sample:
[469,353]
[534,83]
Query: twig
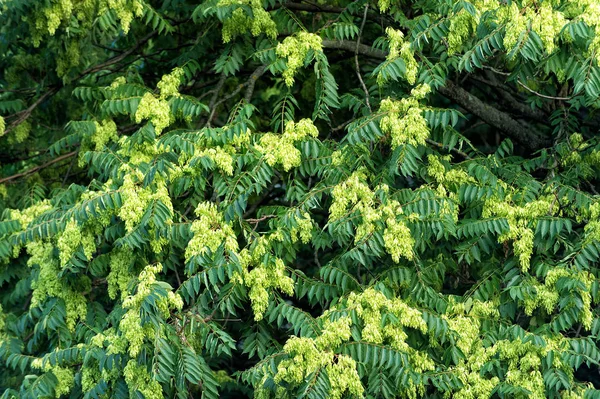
[543,95]
[33,170]
[440,145]
[357,65]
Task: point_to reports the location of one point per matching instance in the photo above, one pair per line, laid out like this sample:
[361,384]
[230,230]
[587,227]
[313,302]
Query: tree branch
[33,170]
[502,121]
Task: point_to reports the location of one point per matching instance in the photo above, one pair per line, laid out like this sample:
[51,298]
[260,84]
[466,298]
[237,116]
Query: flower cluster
[401,48]
[295,49]
[403,120]
[308,355]
[105,133]
[120,274]
[157,110]
[262,274]
[131,325]
[547,294]
[138,379]
[281,149]
[240,23]
[210,231]
[71,238]
[48,284]
[169,84]
[520,220]
[353,195]
[136,199]
[65,376]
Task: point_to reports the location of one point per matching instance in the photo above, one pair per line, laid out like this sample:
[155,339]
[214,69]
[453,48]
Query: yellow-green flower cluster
[303,229]
[120,275]
[295,49]
[131,324]
[65,377]
[355,195]
[139,379]
[454,176]
[71,238]
[157,110]
[369,306]
[48,18]
[48,284]
[401,48]
[221,156]
[169,84]
[126,10]
[136,199]
[465,321]
[263,277]
[397,237]
[25,216]
[520,219]
[240,23]
[281,149]
[20,133]
[524,363]
[462,26]
[105,133]
[309,355]
[210,231]
[547,295]
[2,126]
[403,120]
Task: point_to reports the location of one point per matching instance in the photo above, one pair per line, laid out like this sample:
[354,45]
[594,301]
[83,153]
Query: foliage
[246,198]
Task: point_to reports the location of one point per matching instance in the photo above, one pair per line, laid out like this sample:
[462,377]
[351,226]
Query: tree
[236,198]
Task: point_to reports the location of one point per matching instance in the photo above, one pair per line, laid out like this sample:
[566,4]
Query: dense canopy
[289,199]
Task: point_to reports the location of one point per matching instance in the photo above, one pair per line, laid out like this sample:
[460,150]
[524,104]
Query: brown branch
[348,45]
[356,64]
[451,149]
[35,169]
[500,120]
[308,7]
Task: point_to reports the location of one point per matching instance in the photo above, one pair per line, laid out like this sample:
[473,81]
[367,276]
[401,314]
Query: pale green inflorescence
[304,228]
[139,379]
[547,295]
[295,49]
[403,120]
[2,126]
[239,23]
[521,222]
[308,355]
[262,277]
[106,132]
[354,195]
[49,18]
[281,149]
[71,238]
[157,110]
[210,231]
[48,284]
[20,133]
[400,48]
[136,199]
[131,324]
[120,274]
[65,376]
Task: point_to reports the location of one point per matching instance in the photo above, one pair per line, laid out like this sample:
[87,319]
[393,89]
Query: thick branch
[33,170]
[308,7]
[525,135]
[348,45]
